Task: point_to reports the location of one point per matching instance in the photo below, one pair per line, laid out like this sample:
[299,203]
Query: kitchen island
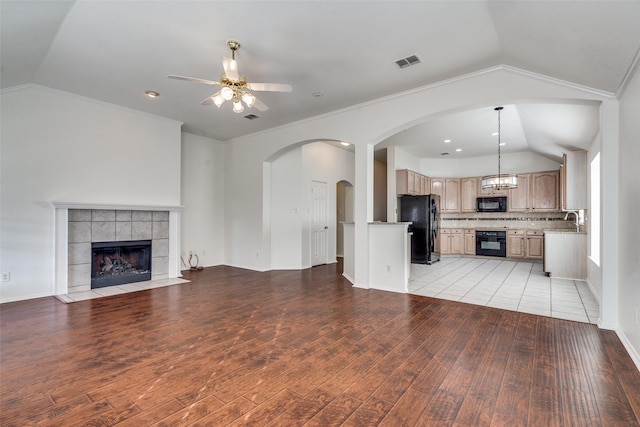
[565,254]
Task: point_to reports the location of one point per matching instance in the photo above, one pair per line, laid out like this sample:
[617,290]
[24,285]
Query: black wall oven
[491,243]
[491,204]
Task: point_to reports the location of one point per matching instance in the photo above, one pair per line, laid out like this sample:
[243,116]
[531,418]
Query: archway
[344,212]
[290,178]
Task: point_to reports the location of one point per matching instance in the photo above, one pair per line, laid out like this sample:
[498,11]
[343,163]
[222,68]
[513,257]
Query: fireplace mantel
[74,205]
[62,236]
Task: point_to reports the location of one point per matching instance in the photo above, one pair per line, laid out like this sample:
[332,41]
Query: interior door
[319,228]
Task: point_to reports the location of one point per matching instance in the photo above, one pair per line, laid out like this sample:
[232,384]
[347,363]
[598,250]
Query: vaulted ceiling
[344,51]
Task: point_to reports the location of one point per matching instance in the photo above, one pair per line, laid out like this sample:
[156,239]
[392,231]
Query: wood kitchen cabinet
[469,241]
[451,195]
[426,184]
[527,244]
[449,191]
[412,183]
[451,241]
[518,198]
[544,188]
[515,243]
[406,182]
[489,192]
[457,241]
[534,244]
[445,241]
[469,193]
[438,187]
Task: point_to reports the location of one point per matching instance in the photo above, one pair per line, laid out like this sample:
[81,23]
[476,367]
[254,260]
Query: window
[595,210]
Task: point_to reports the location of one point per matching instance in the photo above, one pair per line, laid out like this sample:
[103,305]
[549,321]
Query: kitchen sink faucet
[566,217]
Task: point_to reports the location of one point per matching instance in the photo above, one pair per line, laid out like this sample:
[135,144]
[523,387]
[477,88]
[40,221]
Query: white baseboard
[349,278]
[627,345]
[593,291]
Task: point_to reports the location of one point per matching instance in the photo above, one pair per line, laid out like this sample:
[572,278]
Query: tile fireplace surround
[77,227]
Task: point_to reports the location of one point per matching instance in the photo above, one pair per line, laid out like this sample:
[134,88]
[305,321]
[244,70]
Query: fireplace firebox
[117,263]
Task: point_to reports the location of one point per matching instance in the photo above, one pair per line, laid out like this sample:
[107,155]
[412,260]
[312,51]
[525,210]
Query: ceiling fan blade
[207,101]
[270,87]
[194,80]
[260,106]
[231,68]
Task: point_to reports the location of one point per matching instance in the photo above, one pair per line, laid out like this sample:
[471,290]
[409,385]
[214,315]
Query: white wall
[404,160]
[202,195]
[523,162]
[287,210]
[60,147]
[291,176]
[629,196]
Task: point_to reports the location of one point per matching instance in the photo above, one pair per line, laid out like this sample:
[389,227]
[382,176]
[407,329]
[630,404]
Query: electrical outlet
[388,268]
[6,277]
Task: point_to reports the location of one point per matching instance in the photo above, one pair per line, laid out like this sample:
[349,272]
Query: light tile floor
[118,289]
[511,285]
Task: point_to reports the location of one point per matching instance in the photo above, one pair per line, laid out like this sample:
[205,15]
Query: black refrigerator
[424,214]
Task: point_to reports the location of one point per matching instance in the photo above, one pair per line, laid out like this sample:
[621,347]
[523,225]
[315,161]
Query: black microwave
[491,204]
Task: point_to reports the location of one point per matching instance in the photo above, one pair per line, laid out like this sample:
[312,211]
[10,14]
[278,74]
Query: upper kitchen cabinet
[412,183]
[437,187]
[449,191]
[544,189]
[518,198]
[573,181]
[406,182]
[469,193]
[489,192]
[426,184]
[452,195]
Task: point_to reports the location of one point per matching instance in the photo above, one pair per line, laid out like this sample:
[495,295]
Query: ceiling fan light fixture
[218,99]
[227,93]
[237,106]
[499,181]
[248,99]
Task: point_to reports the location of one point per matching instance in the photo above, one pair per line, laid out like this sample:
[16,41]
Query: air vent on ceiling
[251,117]
[408,61]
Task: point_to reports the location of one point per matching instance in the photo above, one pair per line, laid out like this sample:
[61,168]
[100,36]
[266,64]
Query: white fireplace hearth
[79,225]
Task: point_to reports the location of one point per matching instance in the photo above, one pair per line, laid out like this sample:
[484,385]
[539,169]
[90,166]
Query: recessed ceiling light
[151,93]
[447,140]
[494,134]
[502,143]
[458,149]
[346,144]
[317,94]
[444,154]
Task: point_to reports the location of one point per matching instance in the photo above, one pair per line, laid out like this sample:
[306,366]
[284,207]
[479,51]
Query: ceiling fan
[235,87]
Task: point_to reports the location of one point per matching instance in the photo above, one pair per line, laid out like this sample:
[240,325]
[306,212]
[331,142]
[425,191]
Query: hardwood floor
[236,347]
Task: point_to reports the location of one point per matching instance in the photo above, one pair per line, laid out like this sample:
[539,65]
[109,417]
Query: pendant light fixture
[499,181]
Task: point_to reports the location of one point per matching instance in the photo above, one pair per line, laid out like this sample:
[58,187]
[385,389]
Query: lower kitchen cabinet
[527,244]
[469,241]
[515,243]
[451,241]
[534,244]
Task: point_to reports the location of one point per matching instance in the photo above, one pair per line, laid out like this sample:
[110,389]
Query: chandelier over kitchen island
[499,181]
